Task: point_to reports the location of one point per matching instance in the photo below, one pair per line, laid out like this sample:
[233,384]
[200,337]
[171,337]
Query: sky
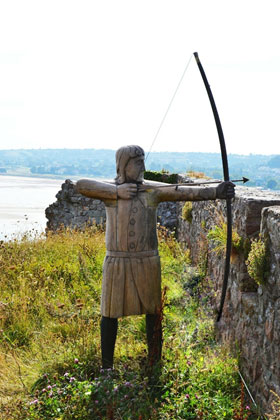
[101,74]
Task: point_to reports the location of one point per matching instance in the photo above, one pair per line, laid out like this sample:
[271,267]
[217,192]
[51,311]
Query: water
[23,202]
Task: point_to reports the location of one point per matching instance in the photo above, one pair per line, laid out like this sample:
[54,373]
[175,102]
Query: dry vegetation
[49,342]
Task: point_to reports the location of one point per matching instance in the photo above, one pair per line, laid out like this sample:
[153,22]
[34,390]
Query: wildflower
[76,361]
[115,389]
[72,379]
[34,402]
[196,396]
[247,407]
[187,396]
[66,374]
[96,401]
[126,397]
[128,384]
[49,387]
[44,390]
[51,394]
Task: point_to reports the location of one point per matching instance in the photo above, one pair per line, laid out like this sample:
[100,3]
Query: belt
[128,254]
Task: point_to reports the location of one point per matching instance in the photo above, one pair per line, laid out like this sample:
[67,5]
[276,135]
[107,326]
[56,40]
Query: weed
[218,234]
[187,211]
[258,261]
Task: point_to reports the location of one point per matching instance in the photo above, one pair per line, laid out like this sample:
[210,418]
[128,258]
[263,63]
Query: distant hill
[274,162]
[262,170]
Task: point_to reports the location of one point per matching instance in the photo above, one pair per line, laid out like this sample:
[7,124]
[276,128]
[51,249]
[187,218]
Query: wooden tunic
[131,271]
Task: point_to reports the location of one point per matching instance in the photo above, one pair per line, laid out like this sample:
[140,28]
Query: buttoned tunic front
[131,271]
[131,281]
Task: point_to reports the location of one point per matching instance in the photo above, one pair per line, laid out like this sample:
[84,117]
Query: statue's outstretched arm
[186,193]
[224,190]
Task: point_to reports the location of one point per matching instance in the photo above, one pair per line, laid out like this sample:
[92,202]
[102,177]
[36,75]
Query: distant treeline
[262,170]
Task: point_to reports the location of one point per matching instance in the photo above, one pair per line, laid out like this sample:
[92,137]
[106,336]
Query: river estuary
[22,204]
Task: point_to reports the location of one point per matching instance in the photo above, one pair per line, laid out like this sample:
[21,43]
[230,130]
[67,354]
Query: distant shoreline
[40,176]
[50,176]
[23,201]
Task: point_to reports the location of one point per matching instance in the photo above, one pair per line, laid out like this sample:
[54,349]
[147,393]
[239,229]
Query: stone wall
[251,316]
[77,211]
[73,209]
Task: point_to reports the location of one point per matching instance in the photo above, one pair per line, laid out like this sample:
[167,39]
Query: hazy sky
[100,74]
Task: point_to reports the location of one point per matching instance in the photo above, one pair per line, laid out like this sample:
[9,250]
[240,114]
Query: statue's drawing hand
[127,191]
[225,190]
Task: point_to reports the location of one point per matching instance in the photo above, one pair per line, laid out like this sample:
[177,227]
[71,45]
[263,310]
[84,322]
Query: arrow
[214,182]
[241,180]
[143,186]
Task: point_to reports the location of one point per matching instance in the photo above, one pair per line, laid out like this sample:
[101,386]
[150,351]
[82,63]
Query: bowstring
[169,106]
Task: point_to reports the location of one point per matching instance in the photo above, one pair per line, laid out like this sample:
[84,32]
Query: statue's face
[134,170]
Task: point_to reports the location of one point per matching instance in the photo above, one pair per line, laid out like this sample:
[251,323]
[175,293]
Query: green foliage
[162,176]
[49,345]
[258,261]
[218,234]
[187,211]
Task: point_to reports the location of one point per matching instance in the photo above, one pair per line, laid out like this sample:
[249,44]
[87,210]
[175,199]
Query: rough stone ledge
[251,317]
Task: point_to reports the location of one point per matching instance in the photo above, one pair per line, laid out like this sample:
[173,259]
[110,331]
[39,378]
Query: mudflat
[22,204]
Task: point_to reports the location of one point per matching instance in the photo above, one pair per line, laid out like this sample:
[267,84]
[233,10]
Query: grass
[49,340]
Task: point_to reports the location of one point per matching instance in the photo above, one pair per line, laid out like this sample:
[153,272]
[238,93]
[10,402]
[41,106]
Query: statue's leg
[154,337]
[109,328]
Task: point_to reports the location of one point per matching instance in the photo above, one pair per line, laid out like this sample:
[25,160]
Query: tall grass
[49,342]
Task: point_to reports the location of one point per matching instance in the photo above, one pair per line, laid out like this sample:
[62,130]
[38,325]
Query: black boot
[154,338]
[109,328]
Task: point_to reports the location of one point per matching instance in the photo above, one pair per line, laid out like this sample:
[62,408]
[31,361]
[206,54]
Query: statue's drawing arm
[185,193]
[97,189]
[105,190]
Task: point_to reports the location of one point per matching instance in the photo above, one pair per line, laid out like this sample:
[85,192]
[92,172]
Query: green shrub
[218,234]
[163,176]
[187,211]
[258,261]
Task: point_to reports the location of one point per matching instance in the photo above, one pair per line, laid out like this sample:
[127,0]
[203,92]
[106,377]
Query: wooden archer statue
[131,271]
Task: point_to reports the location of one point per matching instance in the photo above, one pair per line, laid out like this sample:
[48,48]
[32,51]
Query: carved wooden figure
[131,271]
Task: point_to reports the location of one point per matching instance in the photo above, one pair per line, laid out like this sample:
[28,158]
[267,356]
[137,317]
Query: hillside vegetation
[262,170]
[49,342]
